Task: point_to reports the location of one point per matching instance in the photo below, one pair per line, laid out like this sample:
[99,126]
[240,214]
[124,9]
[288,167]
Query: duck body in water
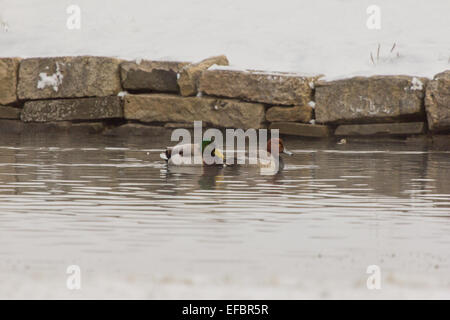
[268,161]
[191,154]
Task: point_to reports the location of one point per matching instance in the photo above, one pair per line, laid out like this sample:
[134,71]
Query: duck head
[281,149]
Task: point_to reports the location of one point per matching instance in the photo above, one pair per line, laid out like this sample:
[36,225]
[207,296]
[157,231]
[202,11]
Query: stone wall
[118,97]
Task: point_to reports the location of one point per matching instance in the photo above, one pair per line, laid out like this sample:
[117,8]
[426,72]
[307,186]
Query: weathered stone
[190,75]
[7,112]
[8,80]
[301,129]
[372,99]
[59,127]
[174,125]
[19,127]
[297,113]
[72,109]
[68,77]
[80,128]
[437,102]
[151,75]
[404,128]
[137,129]
[217,112]
[259,86]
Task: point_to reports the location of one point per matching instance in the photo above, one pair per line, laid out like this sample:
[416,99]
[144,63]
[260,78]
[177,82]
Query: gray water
[139,230]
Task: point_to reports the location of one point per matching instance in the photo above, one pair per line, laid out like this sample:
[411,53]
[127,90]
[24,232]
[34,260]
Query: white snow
[122,94]
[302,36]
[54,80]
[416,84]
[312,104]
[269,75]
[227,68]
[129,285]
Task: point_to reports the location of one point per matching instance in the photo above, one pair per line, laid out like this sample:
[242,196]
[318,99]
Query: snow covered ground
[327,36]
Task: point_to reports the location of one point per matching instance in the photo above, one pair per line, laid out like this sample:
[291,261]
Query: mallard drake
[177,155]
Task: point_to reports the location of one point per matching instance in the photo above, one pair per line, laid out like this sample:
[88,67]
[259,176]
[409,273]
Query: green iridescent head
[206,143]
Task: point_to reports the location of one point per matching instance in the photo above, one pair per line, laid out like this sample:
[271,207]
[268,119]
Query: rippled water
[137,229]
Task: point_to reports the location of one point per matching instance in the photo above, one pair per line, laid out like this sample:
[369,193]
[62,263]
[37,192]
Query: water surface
[139,230]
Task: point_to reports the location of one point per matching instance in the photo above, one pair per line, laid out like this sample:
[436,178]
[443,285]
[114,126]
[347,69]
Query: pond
[137,229]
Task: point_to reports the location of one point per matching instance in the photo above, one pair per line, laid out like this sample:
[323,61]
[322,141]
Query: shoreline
[90,94]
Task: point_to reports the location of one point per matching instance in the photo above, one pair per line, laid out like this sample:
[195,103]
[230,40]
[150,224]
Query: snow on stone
[54,80]
[226,68]
[122,94]
[312,104]
[268,74]
[416,84]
